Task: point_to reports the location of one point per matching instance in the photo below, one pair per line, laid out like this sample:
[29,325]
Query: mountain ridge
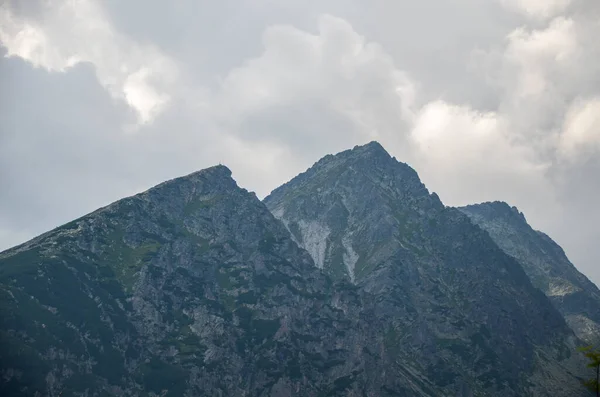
[546,263]
[194,287]
[189,288]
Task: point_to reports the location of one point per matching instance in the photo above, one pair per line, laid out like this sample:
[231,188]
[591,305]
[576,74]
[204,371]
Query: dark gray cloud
[487,100]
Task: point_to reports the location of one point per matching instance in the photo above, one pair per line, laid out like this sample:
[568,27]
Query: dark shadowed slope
[576,297]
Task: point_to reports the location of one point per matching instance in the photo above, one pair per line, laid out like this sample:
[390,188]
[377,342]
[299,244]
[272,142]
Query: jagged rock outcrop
[546,264]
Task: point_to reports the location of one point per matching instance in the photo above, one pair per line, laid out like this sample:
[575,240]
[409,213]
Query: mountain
[459,308]
[544,261]
[191,288]
[368,286]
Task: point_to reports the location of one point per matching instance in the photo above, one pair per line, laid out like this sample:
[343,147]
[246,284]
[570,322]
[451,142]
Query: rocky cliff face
[192,288]
[195,288]
[549,269]
[459,308]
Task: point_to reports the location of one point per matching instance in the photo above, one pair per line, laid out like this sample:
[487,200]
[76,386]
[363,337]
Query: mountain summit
[352,279]
[448,289]
[339,207]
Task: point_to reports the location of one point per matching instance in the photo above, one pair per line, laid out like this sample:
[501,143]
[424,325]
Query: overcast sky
[487,100]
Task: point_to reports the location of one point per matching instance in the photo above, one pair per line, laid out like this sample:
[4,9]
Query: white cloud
[536,74]
[536,53]
[24,40]
[77,31]
[142,96]
[337,71]
[580,137]
[539,9]
[471,156]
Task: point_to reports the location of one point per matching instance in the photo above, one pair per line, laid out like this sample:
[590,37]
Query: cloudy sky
[486,99]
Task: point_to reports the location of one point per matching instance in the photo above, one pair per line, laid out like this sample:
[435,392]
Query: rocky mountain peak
[368,167]
[372,148]
[373,159]
[366,218]
[216,170]
[213,179]
[327,207]
[496,209]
